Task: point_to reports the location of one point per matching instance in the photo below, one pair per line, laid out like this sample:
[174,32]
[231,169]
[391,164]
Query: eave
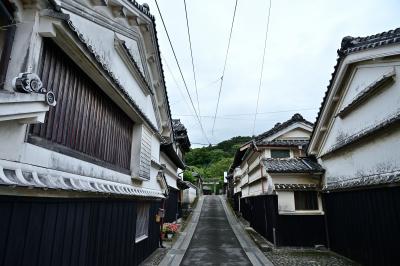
[168,149]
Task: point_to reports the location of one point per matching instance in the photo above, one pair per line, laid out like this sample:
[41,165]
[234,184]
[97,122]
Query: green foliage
[212,161]
[218,168]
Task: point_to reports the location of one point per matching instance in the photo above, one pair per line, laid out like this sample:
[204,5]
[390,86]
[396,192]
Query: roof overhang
[181,184]
[169,150]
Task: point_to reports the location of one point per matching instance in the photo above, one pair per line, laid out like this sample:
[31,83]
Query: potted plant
[170,229]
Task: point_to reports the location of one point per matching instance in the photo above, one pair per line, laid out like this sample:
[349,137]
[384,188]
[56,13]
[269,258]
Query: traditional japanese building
[277,188]
[83,114]
[357,141]
[172,158]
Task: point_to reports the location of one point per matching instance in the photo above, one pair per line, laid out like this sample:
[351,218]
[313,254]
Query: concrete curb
[255,255]
[176,253]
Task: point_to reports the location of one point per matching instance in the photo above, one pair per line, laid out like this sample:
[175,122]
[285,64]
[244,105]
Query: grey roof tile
[284,142]
[292,165]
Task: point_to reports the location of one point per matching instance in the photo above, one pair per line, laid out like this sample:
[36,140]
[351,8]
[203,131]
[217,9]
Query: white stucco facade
[252,178]
[76,26]
[378,153]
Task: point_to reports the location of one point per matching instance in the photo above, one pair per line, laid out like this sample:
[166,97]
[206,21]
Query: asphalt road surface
[214,242]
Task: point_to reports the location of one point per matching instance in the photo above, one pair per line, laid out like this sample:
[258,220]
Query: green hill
[212,161]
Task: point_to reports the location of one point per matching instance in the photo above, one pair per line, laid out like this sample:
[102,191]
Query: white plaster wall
[297,133]
[189,195]
[255,189]
[255,174]
[295,126]
[294,179]
[379,155]
[171,171]
[155,148]
[286,201]
[12,141]
[376,109]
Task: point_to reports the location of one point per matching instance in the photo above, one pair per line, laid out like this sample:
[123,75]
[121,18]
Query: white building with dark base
[83,113]
[357,141]
[277,188]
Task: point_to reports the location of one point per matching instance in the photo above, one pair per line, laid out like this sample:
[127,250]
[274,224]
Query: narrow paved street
[214,242]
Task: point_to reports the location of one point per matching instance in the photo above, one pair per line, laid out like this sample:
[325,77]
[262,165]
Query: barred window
[280,153]
[85,123]
[142,221]
[306,200]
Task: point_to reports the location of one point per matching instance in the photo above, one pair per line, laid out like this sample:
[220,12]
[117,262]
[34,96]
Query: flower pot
[169,235]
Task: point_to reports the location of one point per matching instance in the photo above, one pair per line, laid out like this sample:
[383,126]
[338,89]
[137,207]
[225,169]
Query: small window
[280,153]
[142,222]
[305,200]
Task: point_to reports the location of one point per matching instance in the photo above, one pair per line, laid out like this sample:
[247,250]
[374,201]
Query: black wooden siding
[364,225]
[290,230]
[76,232]
[173,209]
[85,119]
[236,200]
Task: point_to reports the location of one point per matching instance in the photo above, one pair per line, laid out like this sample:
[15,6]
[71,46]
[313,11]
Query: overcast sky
[301,53]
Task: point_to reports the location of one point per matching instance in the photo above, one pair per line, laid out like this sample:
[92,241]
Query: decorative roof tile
[56,180]
[292,165]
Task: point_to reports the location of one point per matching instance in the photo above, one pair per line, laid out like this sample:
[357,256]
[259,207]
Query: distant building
[277,188]
[357,140]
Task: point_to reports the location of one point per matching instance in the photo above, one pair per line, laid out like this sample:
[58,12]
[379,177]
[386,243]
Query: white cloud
[301,52]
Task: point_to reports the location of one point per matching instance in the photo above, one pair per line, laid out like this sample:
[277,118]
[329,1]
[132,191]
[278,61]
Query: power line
[231,116]
[180,71]
[223,71]
[176,83]
[191,55]
[262,66]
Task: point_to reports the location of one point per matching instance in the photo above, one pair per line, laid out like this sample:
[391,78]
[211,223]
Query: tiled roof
[259,139]
[291,165]
[387,122]
[279,126]
[40,178]
[365,181]
[180,134]
[351,45]
[168,149]
[296,186]
[284,142]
